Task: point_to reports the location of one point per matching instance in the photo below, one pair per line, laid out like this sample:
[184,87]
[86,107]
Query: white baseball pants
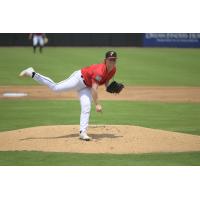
[74,82]
[38,39]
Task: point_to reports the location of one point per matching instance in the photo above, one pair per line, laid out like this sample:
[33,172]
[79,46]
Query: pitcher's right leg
[73,82]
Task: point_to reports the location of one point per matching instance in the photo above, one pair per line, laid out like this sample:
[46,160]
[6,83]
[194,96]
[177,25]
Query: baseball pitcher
[86,82]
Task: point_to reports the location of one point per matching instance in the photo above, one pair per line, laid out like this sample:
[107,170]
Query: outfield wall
[75,39]
[191,40]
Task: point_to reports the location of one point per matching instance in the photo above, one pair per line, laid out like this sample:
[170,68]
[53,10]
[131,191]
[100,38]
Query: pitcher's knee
[55,88]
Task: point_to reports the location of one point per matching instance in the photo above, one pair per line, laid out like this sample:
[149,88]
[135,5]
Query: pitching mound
[106,139]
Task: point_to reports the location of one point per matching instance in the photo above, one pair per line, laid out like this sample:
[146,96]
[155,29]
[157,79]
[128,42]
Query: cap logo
[111,53]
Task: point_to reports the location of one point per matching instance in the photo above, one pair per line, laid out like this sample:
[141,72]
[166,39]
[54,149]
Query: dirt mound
[106,139]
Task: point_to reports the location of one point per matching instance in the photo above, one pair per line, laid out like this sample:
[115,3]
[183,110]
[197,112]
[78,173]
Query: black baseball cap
[111,54]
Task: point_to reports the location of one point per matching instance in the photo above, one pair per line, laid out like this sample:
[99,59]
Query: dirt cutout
[115,139]
[130,93]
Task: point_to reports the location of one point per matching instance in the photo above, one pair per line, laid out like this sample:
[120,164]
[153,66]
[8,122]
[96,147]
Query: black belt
[83,80]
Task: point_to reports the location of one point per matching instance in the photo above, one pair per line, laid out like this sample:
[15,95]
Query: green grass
[180,117]
[24,158]
[136,66]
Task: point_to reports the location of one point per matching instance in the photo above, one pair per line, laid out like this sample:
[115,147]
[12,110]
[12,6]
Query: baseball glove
[115,87]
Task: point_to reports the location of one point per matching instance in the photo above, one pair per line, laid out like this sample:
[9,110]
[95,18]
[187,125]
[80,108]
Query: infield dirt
[130,93]
[115,139]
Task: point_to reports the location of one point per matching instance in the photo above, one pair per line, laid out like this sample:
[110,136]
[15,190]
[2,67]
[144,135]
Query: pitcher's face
[111,62]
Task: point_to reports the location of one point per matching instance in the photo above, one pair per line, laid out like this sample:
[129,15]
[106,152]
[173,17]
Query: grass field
[182,117]
[24,158]
[136,66]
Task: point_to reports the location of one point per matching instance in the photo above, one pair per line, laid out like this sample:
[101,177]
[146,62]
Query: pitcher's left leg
[85,102]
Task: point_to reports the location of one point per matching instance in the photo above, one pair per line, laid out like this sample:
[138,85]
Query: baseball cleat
[27,72]
[84,136]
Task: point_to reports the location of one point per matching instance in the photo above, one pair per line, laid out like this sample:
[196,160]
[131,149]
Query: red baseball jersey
[97,73]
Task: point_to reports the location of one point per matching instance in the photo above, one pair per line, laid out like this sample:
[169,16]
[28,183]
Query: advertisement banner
[171,40]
